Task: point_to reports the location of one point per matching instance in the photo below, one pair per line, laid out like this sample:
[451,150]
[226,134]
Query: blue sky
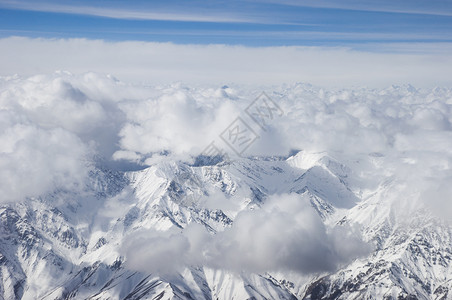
[250,23]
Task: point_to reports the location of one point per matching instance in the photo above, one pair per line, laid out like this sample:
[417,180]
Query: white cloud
[285,234]
[156,13]
[419,7]
[50,130]
[218,64]
[438,195]
[34,161]
[175,122]
[51,127]
[53,124]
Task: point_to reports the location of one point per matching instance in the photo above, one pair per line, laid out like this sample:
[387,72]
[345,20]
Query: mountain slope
[74,245]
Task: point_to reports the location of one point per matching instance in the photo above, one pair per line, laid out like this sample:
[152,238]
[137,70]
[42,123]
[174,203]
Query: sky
[249,23]
[329,43]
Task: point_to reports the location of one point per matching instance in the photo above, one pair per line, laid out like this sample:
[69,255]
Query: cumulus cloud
[285,234]
[54,127]
[51,128]
[127,124]
[175,122]
[33,161]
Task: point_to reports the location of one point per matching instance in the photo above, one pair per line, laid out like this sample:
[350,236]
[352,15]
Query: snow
[360,212]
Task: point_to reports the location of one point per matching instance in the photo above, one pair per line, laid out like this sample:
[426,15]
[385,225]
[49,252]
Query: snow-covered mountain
[106,192]
[76,245]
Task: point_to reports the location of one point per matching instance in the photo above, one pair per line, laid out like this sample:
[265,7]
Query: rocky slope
[70,244]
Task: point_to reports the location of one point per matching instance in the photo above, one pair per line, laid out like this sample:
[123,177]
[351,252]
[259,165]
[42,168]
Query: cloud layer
[53,128]
[219,64]
[61,121]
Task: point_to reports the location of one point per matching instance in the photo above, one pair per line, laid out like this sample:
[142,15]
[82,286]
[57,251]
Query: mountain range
[176,230]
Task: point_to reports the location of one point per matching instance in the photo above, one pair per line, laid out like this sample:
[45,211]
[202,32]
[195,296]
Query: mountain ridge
[70,246]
